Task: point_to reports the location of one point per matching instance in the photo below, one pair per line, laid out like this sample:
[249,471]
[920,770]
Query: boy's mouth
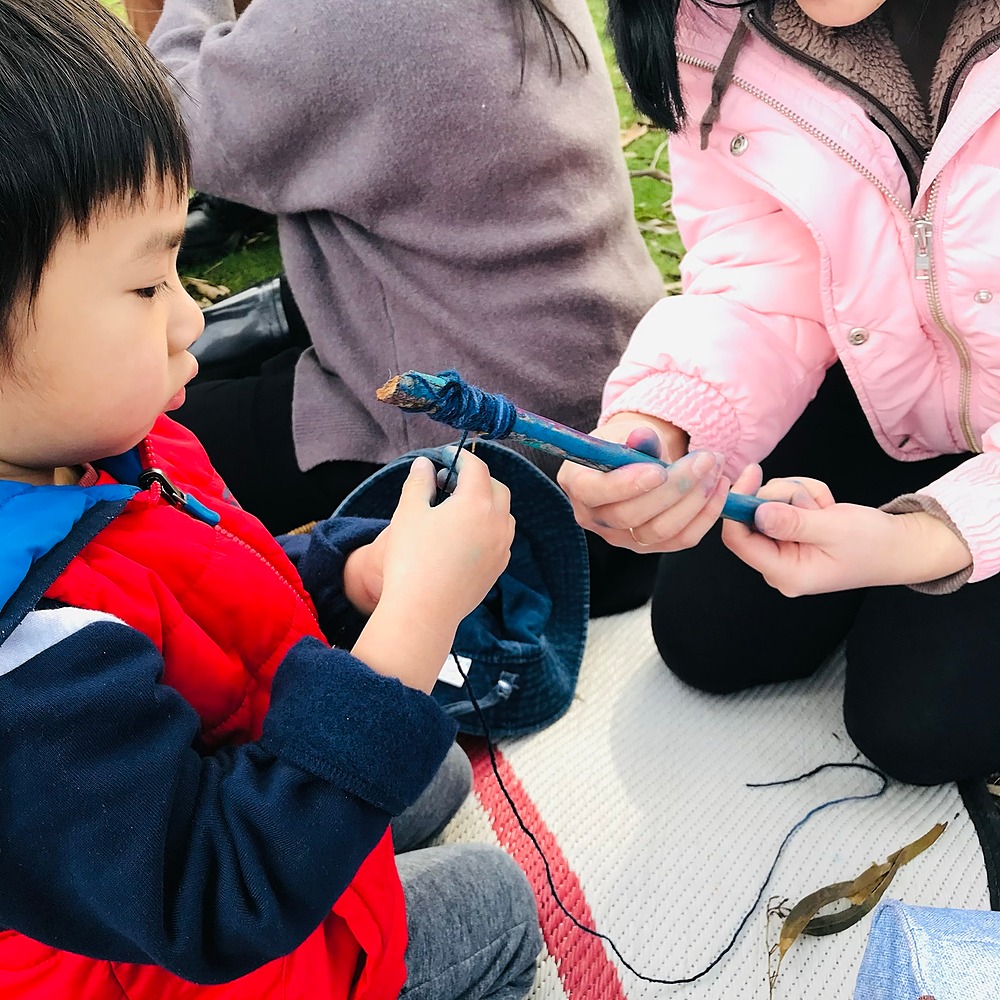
[176,400]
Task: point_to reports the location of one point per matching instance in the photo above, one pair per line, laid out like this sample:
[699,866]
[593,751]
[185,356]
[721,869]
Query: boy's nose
[189,324]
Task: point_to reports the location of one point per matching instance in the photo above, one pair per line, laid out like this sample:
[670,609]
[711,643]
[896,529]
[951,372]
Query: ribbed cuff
[970,497]
[913,503]
[321,567]
[687,402]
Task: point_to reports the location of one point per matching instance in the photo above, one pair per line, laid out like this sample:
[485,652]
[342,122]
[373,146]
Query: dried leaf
[862,893]
[872,880]
[203,292]
[863,899]
[635,131]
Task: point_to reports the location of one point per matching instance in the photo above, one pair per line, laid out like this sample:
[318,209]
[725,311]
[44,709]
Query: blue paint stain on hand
[644,439]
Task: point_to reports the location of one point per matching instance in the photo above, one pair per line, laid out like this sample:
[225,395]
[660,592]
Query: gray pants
[470,912]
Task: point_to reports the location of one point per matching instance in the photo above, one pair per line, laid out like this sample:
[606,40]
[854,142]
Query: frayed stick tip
[387,393]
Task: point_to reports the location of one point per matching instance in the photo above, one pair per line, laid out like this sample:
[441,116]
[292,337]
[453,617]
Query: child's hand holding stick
[640,506]
[810,544]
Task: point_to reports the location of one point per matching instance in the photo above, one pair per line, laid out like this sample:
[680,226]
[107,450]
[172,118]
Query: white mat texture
[638,796]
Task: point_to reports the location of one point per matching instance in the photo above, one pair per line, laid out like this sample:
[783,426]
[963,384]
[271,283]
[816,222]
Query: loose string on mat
[769,784]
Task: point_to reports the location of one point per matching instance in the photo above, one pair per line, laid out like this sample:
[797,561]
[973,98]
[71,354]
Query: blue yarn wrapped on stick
[447,398]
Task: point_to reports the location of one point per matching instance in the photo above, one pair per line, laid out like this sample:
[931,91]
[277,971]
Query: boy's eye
[151,291]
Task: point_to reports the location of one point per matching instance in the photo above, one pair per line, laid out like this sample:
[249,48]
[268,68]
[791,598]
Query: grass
[643,149]
[651,195]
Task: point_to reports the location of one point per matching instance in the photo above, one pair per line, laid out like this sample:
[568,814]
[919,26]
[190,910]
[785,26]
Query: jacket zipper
[988,39]
[921,228]
[819,67]
[270,566]
[191,505]
[156,480]
[923,234]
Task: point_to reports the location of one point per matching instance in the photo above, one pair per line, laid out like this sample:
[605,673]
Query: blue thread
[466,407]
[593,931]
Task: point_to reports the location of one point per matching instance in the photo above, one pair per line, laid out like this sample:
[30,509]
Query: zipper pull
[178,498]
[922,232]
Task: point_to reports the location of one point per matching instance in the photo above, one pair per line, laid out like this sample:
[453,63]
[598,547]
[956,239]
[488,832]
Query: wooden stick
[410,391]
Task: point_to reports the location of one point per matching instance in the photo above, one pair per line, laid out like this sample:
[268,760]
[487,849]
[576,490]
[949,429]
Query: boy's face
[838,13]
[104,350]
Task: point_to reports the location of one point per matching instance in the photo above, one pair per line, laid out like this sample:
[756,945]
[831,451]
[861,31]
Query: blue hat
[522,647]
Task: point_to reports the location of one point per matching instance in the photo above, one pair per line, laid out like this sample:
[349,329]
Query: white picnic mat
[638,796]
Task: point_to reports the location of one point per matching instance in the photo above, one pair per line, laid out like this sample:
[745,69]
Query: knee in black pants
[906,746]
[919,740]
[923,685]
[727,651]
[686,658]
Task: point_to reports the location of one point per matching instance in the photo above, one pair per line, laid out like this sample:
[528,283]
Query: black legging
[922,696]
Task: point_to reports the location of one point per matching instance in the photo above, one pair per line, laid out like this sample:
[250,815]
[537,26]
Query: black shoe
[216,227]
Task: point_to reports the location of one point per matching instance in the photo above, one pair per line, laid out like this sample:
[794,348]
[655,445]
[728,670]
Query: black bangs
[86,120]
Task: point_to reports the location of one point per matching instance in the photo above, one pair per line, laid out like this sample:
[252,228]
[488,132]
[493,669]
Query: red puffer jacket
[221,655]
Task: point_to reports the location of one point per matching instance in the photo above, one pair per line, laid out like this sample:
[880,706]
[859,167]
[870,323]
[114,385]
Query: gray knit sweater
[433,213]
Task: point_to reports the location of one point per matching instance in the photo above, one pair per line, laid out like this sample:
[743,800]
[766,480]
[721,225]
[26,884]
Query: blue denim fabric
[533,623]
[919,952]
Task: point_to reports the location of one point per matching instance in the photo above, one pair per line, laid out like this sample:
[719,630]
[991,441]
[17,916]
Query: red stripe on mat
[583,964]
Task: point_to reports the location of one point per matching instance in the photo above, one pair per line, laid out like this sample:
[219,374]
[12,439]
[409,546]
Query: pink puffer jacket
[804,246]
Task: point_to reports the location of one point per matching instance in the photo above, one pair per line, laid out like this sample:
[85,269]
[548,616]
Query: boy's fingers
[471,472]
[501,496]
[446,479]
[472,475]
[421,483]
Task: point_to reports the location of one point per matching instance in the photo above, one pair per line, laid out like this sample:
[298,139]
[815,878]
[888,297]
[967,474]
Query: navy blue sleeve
[319,556]
[120,840]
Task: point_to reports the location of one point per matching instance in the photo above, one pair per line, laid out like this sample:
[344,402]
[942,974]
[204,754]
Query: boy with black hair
[197,787]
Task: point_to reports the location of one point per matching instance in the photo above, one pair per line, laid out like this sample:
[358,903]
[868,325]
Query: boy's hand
[363,571]
[443,560]
[641,507]
[437,565]
[363,574]
[810,544]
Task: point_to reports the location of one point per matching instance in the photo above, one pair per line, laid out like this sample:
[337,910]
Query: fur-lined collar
[866,55]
